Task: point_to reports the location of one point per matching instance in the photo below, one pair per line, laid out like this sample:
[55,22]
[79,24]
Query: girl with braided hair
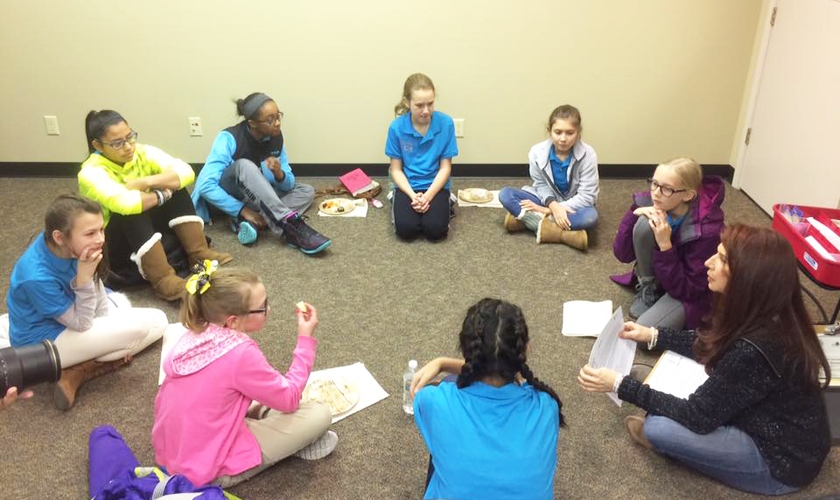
[496,412]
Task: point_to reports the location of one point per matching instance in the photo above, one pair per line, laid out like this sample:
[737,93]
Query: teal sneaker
[246,233]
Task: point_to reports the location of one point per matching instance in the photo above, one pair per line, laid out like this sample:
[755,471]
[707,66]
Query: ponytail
[97,122]
[412,83]
[228,294]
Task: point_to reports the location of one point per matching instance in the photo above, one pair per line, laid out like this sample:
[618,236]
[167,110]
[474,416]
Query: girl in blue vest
[560,205]
[247,176]
[421,145]
[496,412]
[56,293]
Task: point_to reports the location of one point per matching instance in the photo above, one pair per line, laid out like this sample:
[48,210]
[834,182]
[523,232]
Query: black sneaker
[299,234]
[647,293]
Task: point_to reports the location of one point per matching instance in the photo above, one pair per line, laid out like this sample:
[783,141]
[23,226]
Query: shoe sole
[312,251]
[321,448]
[247,235]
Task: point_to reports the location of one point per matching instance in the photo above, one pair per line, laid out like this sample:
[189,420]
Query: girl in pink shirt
[224,414]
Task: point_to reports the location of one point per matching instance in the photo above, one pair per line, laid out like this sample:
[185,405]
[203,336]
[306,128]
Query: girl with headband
[247,176]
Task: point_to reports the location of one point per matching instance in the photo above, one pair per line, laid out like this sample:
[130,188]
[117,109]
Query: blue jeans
[583,218]
[726,454]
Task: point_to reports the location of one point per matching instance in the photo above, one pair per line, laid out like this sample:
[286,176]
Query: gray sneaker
[647,293]
[322,447]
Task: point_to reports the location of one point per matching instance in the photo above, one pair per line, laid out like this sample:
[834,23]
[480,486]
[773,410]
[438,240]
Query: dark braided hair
[494,341]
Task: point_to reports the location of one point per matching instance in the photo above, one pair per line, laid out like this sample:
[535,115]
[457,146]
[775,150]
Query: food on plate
[340,395]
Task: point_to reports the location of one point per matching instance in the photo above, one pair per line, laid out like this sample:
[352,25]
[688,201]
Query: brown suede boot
[550,232]
[512,224]
[635,426]
[64,394]
[151,260]
[190,230]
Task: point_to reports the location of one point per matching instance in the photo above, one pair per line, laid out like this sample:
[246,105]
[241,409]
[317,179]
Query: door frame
[765,30]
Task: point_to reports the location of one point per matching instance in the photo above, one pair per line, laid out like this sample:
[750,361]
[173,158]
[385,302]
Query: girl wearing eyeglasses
[670,231]
[247,176]
[224,413]
[146,207]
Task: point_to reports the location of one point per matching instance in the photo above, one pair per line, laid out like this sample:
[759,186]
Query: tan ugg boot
[190,231]
[153,266]
[550,232]
[64,394]
[512,224]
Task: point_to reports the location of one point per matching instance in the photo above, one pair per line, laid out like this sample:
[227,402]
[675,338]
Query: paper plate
[340,395]
[475,195]
[337,206]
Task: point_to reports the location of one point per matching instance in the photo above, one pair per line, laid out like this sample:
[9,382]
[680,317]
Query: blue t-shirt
[560,169]
[39,292]
[489,442]
[421,155]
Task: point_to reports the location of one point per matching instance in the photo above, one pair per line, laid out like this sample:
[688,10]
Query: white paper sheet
[361,210]
[827,233]
[611,351]
[494,203]
[819,248]
[582,318]
[677,375]
[370,391]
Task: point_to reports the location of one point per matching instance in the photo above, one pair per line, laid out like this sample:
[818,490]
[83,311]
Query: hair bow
[199,281]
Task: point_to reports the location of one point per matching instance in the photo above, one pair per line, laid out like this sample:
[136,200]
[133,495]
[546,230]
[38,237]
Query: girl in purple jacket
[669,232]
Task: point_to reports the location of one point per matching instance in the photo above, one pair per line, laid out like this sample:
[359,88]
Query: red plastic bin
[821,269]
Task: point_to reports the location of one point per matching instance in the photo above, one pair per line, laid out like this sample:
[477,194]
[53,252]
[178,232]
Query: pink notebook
[356,181]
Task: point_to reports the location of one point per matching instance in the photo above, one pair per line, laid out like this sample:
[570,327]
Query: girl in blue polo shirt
[56,293]
[421,145]
[497,412]
[560,205]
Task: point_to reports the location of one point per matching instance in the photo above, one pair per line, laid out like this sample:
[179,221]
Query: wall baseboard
[606,171]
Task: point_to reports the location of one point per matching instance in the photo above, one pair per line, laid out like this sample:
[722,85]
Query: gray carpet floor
[381,302]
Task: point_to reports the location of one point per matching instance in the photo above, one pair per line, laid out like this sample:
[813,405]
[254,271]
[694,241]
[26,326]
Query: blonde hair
[689,171]
[412,83]
[229,295]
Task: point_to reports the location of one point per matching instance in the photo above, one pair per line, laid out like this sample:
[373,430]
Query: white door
[794,151]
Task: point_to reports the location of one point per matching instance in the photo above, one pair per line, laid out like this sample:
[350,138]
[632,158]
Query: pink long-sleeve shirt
[199,428]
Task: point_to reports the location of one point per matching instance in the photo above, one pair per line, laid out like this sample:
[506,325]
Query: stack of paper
[676,375]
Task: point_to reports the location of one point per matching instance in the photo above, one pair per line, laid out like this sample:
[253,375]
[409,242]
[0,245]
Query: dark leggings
[434,224]
[429,472]
[125,234]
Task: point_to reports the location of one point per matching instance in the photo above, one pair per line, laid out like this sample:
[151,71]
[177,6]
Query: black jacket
[753,389]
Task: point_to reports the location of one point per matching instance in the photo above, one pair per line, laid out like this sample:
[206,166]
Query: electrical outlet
[51,124]
[459,127]
[195,126]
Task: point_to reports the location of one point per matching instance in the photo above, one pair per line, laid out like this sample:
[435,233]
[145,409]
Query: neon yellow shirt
[104,181]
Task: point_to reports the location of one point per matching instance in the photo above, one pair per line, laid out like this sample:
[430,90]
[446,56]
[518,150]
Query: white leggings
[123,331]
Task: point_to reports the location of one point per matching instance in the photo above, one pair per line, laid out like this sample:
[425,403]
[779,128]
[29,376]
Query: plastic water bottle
[408,399]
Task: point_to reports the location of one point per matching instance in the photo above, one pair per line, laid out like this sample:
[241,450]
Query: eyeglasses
[261,310]
[269,120]
[120,143]
[665,190]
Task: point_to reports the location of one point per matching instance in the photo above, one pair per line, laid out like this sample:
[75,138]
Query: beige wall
[653,78]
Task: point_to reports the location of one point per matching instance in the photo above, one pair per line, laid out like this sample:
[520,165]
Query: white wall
[653,78]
